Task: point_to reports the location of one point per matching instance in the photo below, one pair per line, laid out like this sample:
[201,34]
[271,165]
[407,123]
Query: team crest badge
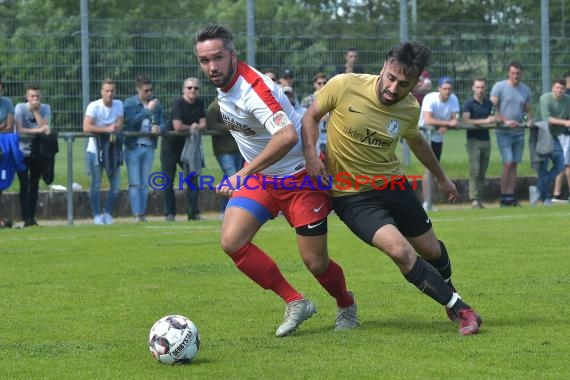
[279,119]
[236,108]
[393,128]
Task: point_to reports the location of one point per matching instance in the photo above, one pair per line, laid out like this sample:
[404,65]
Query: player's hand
[447,187]
[227,187]
[315,167]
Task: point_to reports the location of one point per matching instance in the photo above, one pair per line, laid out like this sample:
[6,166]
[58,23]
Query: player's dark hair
[561,81]
[479,79]
[215,32]
[411,56]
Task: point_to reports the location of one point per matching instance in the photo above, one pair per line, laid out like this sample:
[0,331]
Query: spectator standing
[564,139]
[187,115]
[292,96]
[478,112]
[31,118]
[319,80]
[287,79]
[104,118]
[385,212]
[271,74]
[439,110]
[350,63]
[143,113]
[6,112]
[555,110]
[267,130]
[512,101]
[7,126]
[225,147]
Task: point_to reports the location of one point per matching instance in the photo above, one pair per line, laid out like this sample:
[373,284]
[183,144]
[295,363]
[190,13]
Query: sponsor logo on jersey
[237,126]
[372,138]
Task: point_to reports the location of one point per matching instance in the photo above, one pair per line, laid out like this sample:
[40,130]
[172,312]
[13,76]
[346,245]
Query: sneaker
[469,321]
[296,312]
[533,195]
[107,218]
[98,220]
[346,317]
[515,203]
[547,202]
[505,203]
[558,199]
[6,223]
[476,204]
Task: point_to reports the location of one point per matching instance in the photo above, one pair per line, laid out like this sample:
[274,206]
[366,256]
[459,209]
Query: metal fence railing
[49,52]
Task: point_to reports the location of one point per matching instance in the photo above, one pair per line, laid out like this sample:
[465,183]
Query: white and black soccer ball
[174,339]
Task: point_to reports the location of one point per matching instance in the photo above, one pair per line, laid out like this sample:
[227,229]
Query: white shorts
[565,143]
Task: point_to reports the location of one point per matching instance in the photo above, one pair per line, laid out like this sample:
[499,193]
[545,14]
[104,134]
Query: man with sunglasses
[187,114]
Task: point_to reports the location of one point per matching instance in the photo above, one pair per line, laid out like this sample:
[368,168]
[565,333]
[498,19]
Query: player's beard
[224,80]
[383,90]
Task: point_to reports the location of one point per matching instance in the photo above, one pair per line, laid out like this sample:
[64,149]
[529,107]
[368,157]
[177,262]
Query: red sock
[332,279]
[258,266]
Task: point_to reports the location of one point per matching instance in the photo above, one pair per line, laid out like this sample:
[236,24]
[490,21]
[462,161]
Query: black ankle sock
[458,306]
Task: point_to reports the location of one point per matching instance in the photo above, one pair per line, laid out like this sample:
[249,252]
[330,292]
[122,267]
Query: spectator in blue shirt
[143,113]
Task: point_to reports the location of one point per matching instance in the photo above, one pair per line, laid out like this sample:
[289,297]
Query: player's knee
[313,229]
[403,255]
[317,264]
[230,245]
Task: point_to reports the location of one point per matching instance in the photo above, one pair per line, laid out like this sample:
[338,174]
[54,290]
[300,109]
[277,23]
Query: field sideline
[78,302]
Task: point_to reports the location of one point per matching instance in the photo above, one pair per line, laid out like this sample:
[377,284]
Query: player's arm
[279,145]
[310,135]
[425,155]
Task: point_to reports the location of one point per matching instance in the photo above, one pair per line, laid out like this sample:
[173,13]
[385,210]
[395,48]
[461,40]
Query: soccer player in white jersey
[267,131]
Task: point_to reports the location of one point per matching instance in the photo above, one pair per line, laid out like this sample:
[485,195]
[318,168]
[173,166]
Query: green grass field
[78,302]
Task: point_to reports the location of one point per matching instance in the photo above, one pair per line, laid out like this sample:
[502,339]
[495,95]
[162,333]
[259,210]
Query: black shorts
[365,213]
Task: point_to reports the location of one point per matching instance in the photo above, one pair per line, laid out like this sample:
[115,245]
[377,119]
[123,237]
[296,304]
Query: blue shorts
[511,145]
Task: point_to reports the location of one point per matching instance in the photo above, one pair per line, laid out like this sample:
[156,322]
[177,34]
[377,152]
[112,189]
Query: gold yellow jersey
[362,134]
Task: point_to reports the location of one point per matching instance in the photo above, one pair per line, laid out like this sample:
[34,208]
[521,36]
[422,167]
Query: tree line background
[40,41]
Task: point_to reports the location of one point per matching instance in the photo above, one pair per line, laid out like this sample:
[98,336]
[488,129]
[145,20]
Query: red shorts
[298,197]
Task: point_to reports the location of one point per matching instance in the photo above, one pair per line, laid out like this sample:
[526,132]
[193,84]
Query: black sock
[427,279]
[458,306]
[443,264]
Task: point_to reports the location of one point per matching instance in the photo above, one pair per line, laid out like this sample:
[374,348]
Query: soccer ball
[174,339]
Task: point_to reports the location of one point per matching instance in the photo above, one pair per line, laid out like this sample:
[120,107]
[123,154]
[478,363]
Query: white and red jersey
[254,108]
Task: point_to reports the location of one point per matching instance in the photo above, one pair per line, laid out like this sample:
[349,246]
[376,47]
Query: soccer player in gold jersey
[368,115]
